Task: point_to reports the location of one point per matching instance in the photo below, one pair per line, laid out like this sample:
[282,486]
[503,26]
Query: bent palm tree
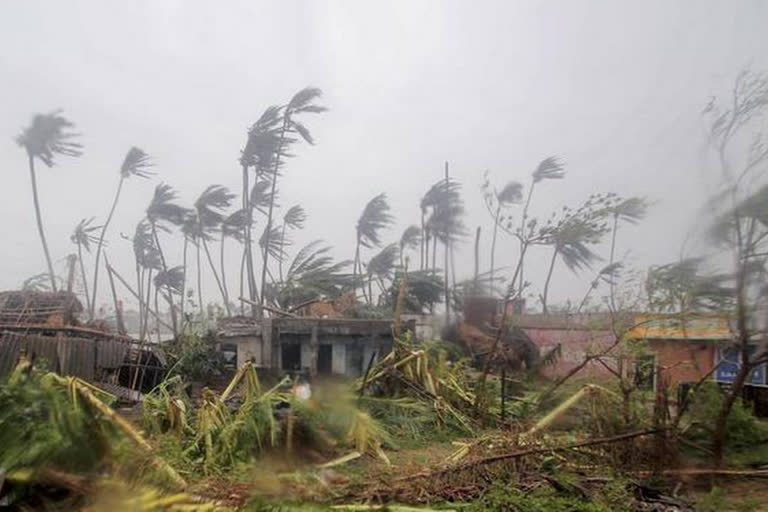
[381,267]
[233,226]
[208,207]
[46,137]
[162,213]
[83,237]
[312,274]
[147,260]
[303,102]
[375,217]
[294,218]
[548,169]
[630,210]
[410,239]
[135,163]
[512,193]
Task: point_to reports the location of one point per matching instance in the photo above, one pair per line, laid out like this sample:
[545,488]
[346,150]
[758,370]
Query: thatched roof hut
[25,307]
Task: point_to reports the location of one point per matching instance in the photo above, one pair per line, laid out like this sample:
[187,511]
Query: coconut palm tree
[380,267]
[83,237]
[209,207]
[173,282]
[548,169]
[410,239]
[147,259]
[48,135]
[630,210]
[271,242]
[570,241]
[136,163]
[303,102]
[233,226]
[496,202]
[372,221]
[311,274]
[163,213]
[294,219]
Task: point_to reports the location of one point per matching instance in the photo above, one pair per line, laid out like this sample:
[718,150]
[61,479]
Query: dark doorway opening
[325,359]
[291,356]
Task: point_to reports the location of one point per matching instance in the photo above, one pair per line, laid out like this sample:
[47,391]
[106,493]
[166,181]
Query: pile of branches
[425,377]
[64,447]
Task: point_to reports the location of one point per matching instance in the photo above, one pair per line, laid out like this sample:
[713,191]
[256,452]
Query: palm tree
[161,213]
[512,193]
[381,266]
[233,226]
[147,259]
[630,210]
[173,281]
[410,239]
[135,163]
[208,207]
[303,102]
[548,169]
[46,137]
[294,219]
[272,243]
[259,153]
[83,237]
[569,241]
[311,274]
[375,217]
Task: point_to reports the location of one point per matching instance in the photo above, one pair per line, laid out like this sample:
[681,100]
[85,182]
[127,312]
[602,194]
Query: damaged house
[313,346]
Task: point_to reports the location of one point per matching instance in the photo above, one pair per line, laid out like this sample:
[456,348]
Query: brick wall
[575,344]
[683,360]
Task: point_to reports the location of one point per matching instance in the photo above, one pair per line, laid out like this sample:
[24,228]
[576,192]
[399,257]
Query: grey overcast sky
[614,88]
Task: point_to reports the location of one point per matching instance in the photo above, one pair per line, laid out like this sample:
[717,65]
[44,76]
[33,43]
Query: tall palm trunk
[248,247]
[183,281]
[421,248]
[223,273]
[216,276]
[92,306]
[147,303]
[523,246]
[39,218]
[549,277]
[445,285]
[199,281]
[140,294]
[82,271]
[355,263]
[493,247]
[242,282]
[280,261]
[425,266]
[284,129]
[168,287]
[611,283]
[434,255]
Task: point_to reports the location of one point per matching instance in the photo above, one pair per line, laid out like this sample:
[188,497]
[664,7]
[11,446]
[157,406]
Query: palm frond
[83,234]
[375,217]
[144,248]
[263,140]
[261,194]
[172,279]
[383,263]
[277,244]
[410,238]
[162,208]
[295,217]
[210,204]
[37,283]
[303,100]
[313,274]
[136,163]
[548,169]
[631,209]
[49,135]
[511,193]
[234,225]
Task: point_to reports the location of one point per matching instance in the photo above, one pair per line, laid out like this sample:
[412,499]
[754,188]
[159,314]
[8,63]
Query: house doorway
[291,356]
[325,359]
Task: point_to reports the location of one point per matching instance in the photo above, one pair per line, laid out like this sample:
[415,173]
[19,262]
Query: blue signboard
[731,365]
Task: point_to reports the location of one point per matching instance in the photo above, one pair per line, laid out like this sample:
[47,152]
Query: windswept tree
[83,237]
[606,275]
[147,258]
[498,203]
[303,102]
[136,163]
[381,267]
[372,221]
[312,274]
[172,280]
[548,169]
[209,208]
[49,135]
[630,210]
[570,238]
[259,153]
[410,239]
[293,219]
[162,214]
[272,243]
[233,226]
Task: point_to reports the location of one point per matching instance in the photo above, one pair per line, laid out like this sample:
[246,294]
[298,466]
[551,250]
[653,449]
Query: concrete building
[315,346]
